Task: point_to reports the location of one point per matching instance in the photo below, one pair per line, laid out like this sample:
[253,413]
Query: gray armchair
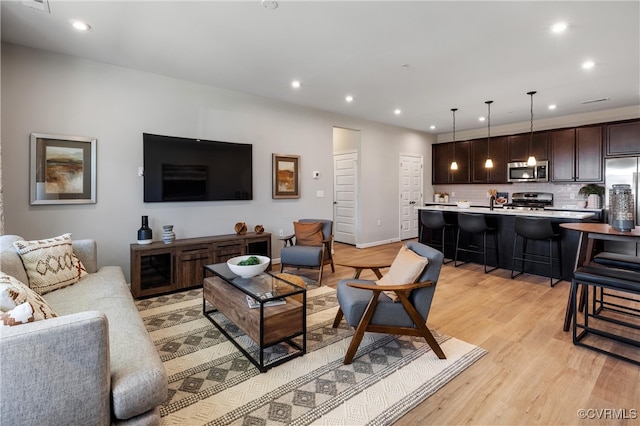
[296,253]
[365,307]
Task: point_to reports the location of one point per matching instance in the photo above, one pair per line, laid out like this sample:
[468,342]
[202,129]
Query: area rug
[212,383]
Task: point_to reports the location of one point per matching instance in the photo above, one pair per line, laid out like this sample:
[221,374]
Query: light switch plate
[320,194]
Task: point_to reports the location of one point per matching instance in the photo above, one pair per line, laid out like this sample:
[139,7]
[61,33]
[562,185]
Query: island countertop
[551,214]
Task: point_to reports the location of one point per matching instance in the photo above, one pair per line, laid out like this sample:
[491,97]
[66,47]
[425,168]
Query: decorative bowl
[248,271]
[463,204]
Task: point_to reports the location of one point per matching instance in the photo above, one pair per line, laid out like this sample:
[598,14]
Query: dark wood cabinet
[562,155]
[522,146]
[158,268]
[461,152]
[576,154]
[440,163]
[497,152]
[589,154]
[623,138]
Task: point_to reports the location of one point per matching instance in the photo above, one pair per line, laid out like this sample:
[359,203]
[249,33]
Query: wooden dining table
[590,232]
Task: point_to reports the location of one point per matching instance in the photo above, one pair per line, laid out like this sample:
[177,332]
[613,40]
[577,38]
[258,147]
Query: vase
[145,234]
[593,201]
[168,236]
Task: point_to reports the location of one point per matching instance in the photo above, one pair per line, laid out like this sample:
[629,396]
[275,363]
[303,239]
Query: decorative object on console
[241,228]
[168,236]
[259,229]
[63,169]
[145,234]
[286,176]
[594,192]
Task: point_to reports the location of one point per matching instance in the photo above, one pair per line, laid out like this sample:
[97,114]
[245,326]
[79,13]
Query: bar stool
[538,229]
[474,224]
[434,220]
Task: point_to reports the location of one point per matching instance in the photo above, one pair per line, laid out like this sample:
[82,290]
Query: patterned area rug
[212,383]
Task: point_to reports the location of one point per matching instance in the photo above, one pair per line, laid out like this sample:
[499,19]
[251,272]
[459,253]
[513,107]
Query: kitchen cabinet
[440,163]
[522,146]
[461,152]
[623,138]
[497,152]
[576,154]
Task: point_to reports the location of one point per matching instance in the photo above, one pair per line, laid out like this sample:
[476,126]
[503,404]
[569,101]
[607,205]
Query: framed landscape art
[286,176]
[62,169]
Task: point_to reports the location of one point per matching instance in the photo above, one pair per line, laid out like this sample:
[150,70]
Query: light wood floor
[532,374]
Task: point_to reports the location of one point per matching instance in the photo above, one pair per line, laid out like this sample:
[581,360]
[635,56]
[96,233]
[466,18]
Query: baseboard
[377,243]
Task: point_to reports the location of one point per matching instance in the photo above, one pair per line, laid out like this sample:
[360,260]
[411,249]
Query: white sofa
[94,364]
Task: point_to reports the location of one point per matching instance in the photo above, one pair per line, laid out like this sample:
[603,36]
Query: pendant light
[454,163]
[531,161]
[488,164]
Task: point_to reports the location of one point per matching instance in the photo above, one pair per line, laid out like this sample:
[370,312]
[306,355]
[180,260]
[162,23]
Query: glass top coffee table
[278,315]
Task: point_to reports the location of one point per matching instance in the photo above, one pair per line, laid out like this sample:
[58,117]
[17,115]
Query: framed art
[286,176]
[63,169]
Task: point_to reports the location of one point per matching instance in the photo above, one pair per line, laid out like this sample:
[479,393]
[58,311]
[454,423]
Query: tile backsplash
[477,193]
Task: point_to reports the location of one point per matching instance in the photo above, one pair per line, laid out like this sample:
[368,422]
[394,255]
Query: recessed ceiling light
[349,98]
[481,119]
[552,106]
[587,65]
[269,4]
[80,26]
[397,111]
[295,84]
[432,127]
[559,27]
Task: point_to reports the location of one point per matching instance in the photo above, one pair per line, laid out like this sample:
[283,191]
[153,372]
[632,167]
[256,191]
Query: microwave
[521,172]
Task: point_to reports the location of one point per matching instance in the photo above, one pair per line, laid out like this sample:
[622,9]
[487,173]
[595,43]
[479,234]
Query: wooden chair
[298,254]
[365,307]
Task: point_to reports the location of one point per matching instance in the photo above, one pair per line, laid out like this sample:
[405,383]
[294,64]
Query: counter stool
[434,221]
[538,229]
[474,224]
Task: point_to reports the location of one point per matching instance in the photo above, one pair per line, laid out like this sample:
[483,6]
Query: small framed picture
[286,176]
[63,169]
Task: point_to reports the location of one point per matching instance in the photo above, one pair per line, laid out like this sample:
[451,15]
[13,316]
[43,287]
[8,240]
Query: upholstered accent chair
[309,247]
[367,306]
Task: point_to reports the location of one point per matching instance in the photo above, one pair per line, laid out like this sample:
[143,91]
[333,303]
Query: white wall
[49,93]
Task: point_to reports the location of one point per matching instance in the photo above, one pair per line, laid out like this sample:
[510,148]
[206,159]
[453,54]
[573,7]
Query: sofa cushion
[10,262]
[14,295]
[405,269]
[50,263]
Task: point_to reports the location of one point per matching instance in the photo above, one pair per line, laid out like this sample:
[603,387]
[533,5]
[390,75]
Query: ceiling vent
[42,5]
[593,101]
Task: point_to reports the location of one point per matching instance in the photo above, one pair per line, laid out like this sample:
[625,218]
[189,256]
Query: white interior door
[410,194]
[345,194]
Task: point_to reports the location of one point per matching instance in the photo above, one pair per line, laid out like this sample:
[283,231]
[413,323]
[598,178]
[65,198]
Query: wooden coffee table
[267,326]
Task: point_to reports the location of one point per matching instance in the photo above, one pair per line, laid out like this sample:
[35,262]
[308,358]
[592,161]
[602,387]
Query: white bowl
[463,204]
[248,271]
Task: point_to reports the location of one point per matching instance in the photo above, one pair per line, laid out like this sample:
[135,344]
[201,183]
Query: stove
[530,201]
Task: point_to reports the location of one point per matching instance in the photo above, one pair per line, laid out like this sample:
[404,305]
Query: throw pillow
[405,269]
[50,264]
[13,295]
[308,233]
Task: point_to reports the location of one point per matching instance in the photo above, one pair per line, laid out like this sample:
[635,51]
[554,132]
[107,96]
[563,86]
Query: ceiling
[423,57]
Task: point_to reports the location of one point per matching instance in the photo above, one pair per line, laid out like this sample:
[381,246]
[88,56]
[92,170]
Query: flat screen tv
[182,169]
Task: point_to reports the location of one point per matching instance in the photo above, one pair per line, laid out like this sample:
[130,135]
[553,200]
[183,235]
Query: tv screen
[181,169]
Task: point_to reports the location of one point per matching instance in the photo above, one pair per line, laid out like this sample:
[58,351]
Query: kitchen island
[504,221]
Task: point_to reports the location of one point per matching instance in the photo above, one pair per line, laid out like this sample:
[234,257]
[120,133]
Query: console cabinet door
[190,263]
[562,155]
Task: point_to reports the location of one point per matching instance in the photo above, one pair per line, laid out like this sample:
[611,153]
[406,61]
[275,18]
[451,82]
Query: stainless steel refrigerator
[623,171]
